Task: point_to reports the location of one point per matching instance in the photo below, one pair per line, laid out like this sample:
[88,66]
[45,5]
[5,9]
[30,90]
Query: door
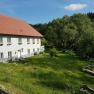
[10,55]
[19,54]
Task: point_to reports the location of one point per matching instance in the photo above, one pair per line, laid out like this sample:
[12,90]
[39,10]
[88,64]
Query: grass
[43,75]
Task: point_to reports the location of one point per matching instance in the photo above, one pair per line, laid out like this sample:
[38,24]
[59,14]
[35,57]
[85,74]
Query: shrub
[53,52]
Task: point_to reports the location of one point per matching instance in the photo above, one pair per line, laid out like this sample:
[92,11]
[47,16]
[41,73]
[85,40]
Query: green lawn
[43,75]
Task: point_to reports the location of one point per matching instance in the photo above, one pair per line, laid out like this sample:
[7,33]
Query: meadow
[41,74]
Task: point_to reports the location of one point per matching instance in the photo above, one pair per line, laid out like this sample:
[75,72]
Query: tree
[74,32]
[51,36]
[86,44]
[53,52]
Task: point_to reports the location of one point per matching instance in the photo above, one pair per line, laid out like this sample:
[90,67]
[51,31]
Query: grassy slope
[41,75]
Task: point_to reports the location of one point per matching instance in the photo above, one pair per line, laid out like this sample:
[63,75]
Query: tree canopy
[74,32]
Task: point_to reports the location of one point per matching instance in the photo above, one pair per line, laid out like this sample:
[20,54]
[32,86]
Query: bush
[53,52]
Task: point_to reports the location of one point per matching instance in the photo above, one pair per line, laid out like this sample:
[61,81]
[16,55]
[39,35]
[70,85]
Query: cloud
[75,6]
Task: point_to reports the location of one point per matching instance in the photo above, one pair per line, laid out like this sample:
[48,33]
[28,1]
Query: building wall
[22,49]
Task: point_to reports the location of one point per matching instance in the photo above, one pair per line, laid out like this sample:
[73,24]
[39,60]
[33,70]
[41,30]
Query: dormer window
[28,40]
[19,41]
[1,41]
[8,40]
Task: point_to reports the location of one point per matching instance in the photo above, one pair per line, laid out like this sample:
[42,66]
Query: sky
[43,11]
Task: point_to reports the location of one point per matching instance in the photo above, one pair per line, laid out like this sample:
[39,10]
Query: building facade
[18,39]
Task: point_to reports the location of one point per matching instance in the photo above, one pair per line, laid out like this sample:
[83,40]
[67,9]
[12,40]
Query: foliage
[74,32]
[53,52]
[44,42]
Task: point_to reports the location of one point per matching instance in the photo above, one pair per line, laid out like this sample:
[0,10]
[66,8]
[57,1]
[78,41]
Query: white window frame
[33,40]
[1,55]
[9,54]
[8,40]
[19,41]
[28,40]
[1,40]
[38,41]
[28,51]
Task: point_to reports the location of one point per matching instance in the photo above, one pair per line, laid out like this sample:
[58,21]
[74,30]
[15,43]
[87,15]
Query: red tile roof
[11,26]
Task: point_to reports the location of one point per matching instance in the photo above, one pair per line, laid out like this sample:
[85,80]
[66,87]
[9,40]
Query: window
[28,51]
[8,40]
[22,49]
[19,41]
[38,49]
[1,55]
[9,54]
[34,50]
[33,41]
[37,41]
[28,40]
[1,41]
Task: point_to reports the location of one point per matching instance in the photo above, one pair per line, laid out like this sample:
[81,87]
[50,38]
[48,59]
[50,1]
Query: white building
[18,39]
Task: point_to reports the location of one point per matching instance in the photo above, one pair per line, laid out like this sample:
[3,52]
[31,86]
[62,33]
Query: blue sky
[42,11]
